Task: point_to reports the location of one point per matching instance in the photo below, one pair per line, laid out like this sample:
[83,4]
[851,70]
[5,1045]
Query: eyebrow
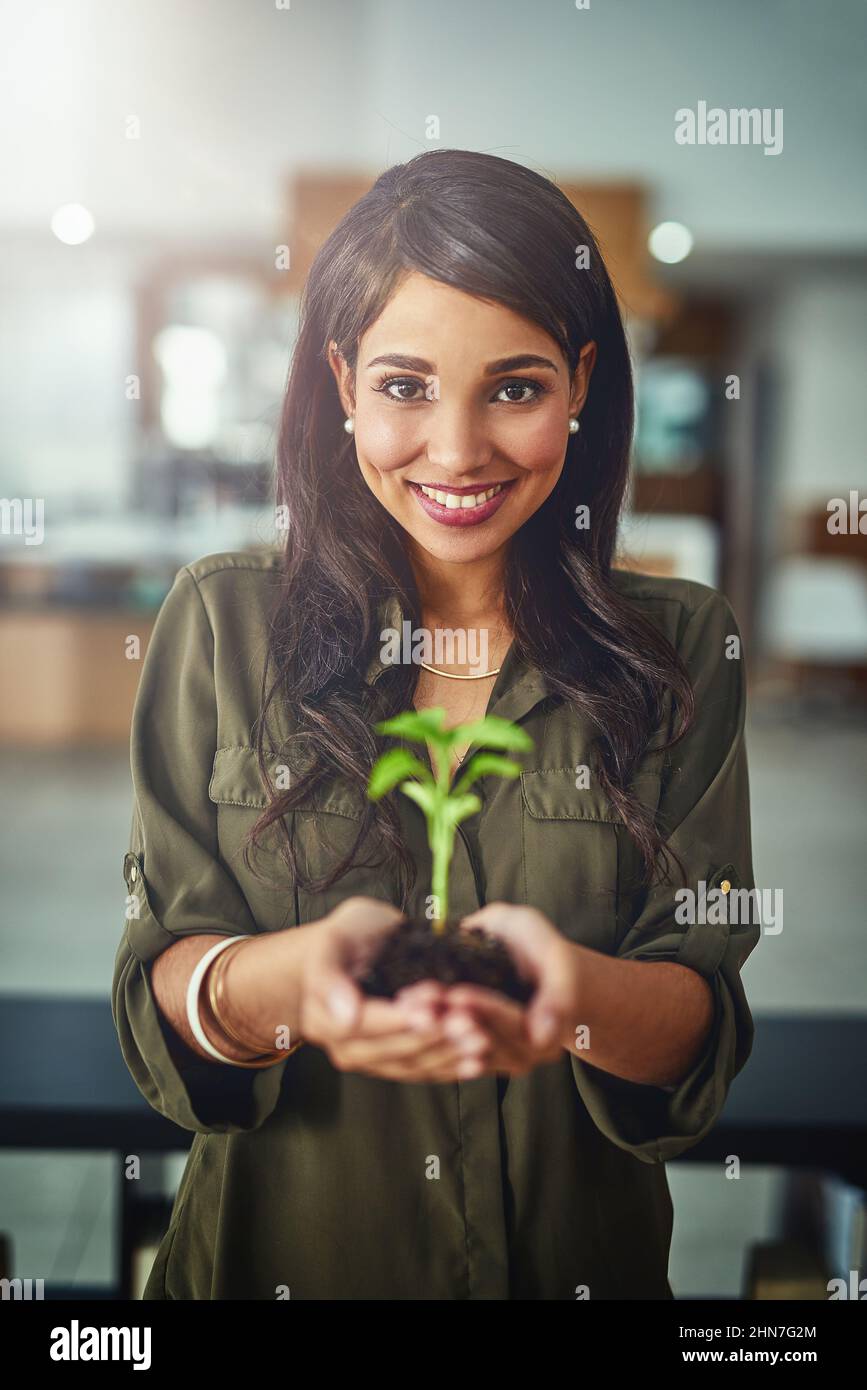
[502,364]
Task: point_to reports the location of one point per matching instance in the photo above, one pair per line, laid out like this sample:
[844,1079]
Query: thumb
[342,1000]
[545,1017]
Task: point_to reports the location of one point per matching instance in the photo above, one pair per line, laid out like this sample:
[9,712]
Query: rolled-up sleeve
[710,922]
[176,884]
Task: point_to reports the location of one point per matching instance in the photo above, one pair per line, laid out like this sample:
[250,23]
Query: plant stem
[441,836]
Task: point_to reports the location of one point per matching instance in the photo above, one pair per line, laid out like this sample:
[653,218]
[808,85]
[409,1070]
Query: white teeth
[462,500]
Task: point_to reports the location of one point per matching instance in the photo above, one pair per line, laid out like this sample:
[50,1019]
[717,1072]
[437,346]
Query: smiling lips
[461,506]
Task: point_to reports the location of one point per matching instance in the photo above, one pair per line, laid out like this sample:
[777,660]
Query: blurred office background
[167,174]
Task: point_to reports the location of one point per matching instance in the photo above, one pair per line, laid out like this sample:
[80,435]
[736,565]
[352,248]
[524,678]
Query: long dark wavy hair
[497,230]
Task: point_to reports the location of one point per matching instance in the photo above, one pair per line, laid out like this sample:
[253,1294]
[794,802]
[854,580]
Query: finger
[363,913]
[459,1023]
[500,919]
[382,1019]
[488,1005]
[371,1018]
[319,1023]
[491,912]
[545,1018]
[450,1058]
[550,1011]
[355,929]
[418,1052]
[506,1027]
[330,999]
[336,948]
[422,1002]
[525,931]
[424,990]
[487,1059]
[505,1023]
[336,1000]
[384,1048]
[546,1021]
[506,1053]
[446,1066]
[472,1045]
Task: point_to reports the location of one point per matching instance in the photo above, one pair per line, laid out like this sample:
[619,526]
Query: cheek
[388,443]
[538,445]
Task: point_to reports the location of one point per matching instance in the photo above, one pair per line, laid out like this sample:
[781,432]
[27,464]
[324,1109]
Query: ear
[344,377]
[581,378]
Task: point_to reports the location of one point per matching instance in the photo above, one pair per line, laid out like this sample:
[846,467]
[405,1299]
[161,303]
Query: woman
[453,453]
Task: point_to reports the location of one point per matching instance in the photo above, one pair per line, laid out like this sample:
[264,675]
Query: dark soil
[415,952]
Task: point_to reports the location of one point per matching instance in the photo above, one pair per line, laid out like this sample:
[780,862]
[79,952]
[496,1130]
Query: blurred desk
[64,1085]
[800,1102]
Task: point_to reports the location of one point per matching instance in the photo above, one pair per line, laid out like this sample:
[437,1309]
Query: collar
[519,687]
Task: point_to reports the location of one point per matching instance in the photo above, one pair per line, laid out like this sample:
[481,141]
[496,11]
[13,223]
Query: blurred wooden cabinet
[67,678]
[615,212]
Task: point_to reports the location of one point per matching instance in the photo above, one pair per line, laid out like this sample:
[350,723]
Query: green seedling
[444,805]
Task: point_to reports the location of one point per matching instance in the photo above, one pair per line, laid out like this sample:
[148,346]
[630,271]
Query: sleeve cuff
[656,1123]
[207,1097]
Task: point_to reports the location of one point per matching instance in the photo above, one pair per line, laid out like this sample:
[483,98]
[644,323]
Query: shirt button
[725,886]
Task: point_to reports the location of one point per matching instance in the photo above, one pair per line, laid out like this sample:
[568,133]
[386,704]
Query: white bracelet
[193,989]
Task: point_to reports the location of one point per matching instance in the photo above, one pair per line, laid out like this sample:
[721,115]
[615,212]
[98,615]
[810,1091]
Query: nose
[457,444]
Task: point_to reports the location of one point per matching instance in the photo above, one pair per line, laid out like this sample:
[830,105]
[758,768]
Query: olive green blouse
[311,1183]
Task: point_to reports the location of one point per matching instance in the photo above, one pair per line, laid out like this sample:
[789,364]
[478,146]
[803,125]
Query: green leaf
[493,732]
[424,796]
[483,765]
[417,725]
[392,768]
[457,808]
[443,807]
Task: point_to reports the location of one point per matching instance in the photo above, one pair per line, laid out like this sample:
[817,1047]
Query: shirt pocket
[324,829]
[570,855]
[577,851]
[240,796]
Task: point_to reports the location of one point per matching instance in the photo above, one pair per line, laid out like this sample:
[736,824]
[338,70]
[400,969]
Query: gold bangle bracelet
[259,1060]
[217,1001]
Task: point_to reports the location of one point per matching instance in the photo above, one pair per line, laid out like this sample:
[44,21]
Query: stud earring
[349,425]
[574,424]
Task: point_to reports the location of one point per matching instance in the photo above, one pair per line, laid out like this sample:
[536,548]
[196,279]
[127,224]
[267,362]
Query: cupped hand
[520,1038]
[404,1039]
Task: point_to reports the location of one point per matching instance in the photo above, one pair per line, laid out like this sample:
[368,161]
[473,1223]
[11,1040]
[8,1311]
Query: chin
[460,551]
[455,542]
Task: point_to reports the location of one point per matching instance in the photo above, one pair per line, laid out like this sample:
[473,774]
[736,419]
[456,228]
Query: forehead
[425,316]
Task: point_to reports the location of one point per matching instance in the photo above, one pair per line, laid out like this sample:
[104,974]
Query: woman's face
[461,411]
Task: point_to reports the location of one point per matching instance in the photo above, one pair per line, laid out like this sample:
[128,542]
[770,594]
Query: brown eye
[535,388]
[408,389]
[400,388]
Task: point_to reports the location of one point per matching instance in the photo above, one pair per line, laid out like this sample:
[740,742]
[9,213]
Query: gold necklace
[450,675]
